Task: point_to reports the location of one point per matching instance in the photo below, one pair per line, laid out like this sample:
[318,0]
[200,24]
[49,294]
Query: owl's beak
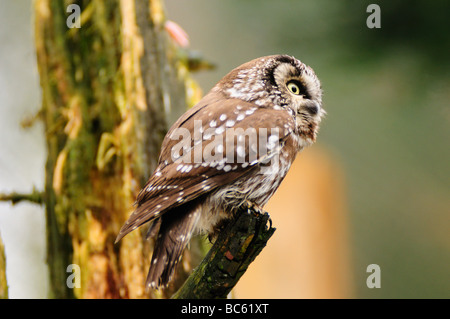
[312,107]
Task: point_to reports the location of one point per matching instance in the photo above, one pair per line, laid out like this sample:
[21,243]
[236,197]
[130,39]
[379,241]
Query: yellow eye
[293,87]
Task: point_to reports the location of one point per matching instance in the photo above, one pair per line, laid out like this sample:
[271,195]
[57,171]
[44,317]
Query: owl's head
[278,82]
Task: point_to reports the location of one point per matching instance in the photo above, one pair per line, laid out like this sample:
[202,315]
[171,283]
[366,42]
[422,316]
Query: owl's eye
[295,87]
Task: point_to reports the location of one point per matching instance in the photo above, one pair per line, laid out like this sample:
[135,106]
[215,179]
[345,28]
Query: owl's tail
[177,226]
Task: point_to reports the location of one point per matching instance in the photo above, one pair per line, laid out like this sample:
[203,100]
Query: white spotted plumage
[185,196]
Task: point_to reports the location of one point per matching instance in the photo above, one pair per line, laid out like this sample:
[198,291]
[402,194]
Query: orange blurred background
[308,256]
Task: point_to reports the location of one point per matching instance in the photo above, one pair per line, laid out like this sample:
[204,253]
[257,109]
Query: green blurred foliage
[418,25]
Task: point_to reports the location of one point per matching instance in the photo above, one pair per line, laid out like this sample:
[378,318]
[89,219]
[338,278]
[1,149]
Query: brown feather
[205,173]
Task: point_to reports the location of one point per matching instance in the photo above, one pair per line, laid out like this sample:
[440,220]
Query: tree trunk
[105,89]
[111,80]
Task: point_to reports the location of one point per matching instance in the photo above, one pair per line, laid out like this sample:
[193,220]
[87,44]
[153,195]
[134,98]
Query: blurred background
[375,189]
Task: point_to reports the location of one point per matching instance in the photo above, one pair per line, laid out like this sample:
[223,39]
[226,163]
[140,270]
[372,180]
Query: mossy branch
[35,196]
[228,259]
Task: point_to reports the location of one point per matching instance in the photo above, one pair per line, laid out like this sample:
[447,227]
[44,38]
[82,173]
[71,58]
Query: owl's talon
[253,208]
[270,222]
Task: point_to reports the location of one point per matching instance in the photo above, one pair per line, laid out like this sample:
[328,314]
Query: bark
[234,250]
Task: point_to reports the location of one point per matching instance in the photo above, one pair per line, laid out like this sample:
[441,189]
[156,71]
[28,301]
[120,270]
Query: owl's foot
[252,207]
[256,210]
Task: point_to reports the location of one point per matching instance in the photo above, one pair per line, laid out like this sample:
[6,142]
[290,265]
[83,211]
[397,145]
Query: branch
[35,196]
[234,250]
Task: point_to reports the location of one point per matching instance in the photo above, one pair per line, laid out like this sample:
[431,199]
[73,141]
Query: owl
[230,151]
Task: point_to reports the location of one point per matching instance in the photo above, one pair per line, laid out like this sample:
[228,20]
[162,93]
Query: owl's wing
[221,140]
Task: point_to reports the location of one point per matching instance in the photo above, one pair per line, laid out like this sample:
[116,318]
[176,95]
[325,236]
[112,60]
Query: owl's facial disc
[302,97]
[300,87]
